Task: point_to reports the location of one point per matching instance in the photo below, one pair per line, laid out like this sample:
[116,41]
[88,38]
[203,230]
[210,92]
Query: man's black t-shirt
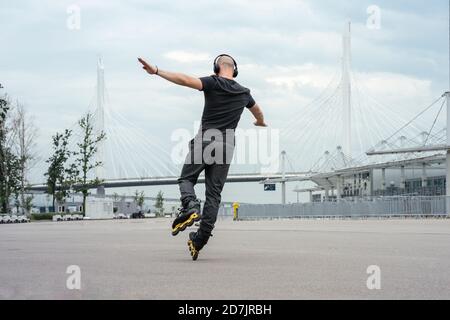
[225,101]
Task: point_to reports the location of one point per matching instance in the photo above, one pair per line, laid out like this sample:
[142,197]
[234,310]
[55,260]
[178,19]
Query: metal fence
[387,207]
[225,213]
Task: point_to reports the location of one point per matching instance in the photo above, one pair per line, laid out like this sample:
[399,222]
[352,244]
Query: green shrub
[49,215]
[42,216]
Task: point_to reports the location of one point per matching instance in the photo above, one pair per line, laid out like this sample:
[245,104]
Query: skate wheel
[192,250]
[175,232]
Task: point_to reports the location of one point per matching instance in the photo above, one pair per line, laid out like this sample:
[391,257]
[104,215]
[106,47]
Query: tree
[115,197]
[139,198]
[13,174]
[28,205]
[24,133]
[9,163]
[59,174]
[84,161]
[17,136]
[4,108]
[160,203]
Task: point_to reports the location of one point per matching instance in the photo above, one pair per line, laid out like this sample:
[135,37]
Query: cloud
[308,76]
[396,87]
[288,53]
[187,57]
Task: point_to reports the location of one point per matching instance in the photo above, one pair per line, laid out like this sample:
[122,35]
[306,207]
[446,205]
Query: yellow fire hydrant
[235,211]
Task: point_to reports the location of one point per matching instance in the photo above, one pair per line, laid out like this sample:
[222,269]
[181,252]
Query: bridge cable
[434,123]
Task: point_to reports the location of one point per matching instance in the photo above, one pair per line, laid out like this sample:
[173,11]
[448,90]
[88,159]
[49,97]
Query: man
[211,150]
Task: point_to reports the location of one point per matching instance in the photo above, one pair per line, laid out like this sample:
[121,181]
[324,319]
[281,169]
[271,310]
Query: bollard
[235,211]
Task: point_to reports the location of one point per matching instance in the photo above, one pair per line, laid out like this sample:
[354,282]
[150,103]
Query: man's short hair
[225,60]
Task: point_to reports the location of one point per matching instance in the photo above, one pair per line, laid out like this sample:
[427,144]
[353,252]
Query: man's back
[225,101]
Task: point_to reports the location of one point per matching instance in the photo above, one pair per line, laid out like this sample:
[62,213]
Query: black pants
[215,176]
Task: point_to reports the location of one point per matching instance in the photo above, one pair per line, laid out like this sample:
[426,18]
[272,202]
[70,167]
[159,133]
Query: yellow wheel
[192,250]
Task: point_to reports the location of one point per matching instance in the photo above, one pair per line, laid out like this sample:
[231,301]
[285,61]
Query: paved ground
[244,260]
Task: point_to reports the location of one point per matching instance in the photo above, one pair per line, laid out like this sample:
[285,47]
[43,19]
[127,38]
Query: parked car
[23,219]
[137,215]
[6,219]
[149,215]
[120,216]
[57,217]
[35,210]
[15,219]
[67,217]
[77,217]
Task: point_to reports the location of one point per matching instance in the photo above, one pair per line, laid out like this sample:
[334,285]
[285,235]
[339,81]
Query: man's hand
[147,67]
[259,116]
[177,78]
[260,124]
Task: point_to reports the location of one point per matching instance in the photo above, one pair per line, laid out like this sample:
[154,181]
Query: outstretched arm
[259,116]
[177,78]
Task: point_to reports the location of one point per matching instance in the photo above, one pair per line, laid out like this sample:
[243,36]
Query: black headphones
[217,67]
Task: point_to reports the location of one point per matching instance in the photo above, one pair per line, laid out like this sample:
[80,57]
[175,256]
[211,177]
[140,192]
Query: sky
[288,52]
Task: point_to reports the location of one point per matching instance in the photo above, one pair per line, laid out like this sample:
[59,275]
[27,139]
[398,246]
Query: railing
[225,213]
[387,207]
[412,191]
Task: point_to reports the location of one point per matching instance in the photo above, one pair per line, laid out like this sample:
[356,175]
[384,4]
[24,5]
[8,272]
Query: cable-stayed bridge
[323,140]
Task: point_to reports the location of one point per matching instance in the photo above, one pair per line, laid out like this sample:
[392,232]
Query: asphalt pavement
[278,259]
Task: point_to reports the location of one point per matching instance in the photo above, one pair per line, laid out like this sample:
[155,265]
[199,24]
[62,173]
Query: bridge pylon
[100,124]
